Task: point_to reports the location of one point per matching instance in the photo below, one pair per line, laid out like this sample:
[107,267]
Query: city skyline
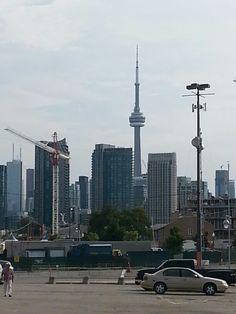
[70,70]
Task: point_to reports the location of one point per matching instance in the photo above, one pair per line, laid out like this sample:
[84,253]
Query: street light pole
[199,209]
[197,142]
[229,229]
[227,225]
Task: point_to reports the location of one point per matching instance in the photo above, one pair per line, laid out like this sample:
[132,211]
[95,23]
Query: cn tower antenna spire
[136,108]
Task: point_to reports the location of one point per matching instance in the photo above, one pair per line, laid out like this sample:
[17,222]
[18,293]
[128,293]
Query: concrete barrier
[85,280]
[51,280]
[121,279]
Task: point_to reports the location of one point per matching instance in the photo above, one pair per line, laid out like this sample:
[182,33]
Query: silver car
[1,282]
[182,279]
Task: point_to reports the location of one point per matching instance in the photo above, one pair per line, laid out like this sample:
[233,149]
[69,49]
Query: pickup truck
[229,275]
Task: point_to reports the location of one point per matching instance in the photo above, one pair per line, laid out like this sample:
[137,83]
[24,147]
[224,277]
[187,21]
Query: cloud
[39,2]
[69,66]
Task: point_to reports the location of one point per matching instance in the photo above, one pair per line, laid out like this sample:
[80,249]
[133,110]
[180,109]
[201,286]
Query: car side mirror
[196,276]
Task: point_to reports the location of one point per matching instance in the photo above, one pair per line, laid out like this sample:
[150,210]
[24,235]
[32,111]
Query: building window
[190,231]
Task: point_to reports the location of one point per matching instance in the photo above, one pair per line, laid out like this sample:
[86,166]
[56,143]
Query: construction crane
[56,155]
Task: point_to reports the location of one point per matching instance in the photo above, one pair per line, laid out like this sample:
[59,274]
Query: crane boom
[39,144]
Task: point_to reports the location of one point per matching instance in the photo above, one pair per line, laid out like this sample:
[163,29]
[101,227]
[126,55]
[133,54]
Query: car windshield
[195,272]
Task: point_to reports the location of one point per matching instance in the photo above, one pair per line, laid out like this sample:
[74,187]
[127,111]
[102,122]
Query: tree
[136,220]
[91,236]
[130,236]
[105,224]
[113,225]
[175,241]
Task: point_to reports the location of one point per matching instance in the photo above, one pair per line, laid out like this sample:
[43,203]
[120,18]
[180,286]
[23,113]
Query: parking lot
[33,296]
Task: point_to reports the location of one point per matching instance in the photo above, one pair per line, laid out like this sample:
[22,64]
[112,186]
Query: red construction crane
[56,155]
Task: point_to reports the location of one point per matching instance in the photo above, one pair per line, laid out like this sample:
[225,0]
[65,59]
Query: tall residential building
[221,183]
[204,190]
[117,182]
[29,191]
[137,120]
[84,187]
[111,177]
[3,195]
[74,195]
[97,176]
[162,187]
[184,192]
[187,192]
[231,189]
[43,185]
[14,193]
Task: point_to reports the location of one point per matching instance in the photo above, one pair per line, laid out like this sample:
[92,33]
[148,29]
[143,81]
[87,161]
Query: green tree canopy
[175,241]
[113,225]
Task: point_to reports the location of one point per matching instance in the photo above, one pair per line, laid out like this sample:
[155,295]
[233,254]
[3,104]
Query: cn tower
[137,120]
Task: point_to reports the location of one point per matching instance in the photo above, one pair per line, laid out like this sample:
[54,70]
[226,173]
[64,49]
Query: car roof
[221,270]
[178,267]
[2,261]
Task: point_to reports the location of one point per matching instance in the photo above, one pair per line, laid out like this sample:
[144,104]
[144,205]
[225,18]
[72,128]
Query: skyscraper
[3,195]
[184,192]
[117,184]
[74,195]
[14,193]
[43,185]
[29,190]
[83,185]
[97,176]
[162,187]
[187,191]
[111,177]
[221,183]
[137,121]
[231,189]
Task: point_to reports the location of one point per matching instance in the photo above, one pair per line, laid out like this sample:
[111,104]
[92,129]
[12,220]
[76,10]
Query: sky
[69,66]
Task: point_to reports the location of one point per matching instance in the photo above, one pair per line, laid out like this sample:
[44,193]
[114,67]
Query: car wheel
[160,288]
[210,289]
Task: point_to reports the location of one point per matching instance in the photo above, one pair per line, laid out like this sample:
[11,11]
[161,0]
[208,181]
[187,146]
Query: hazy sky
[69,66]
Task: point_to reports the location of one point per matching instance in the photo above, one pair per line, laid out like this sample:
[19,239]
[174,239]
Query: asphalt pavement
[32,295]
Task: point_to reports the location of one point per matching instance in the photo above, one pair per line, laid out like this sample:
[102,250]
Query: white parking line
[183,302]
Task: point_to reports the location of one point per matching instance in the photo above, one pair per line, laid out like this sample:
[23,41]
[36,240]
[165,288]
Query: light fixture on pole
[197,143]
[213,240]
[227,225]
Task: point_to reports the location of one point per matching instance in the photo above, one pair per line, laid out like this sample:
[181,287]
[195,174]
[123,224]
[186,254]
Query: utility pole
[230,223]
[227,223]
[197,143]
